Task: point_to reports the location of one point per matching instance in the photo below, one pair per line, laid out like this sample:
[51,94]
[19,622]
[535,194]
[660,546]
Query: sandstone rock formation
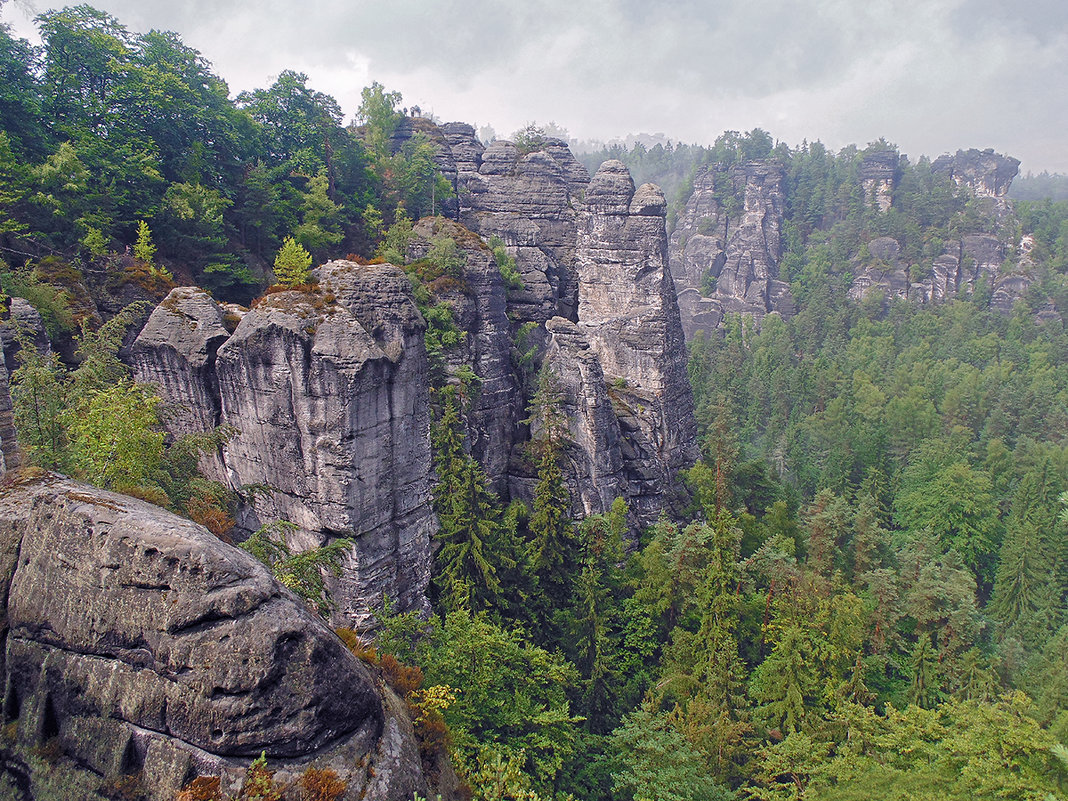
[135,642]
[479,304]
[628,310]
[878,169]
[175,351]
[726,246]
[329,393]
[974,263]
[529,201]
[985,172]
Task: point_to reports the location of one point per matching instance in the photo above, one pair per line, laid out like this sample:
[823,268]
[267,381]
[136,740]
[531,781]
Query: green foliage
[292,265]
[659,764]
[446,257]
[52,303]
[511,701]
[473,541]
[513,281]
[394,246]
[115,441]
[143,247]
[39,395]
[301,572]
[529,139]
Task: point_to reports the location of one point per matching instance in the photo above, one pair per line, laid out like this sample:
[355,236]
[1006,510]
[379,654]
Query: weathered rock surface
[479,304]
[877,173]
[175,351]
[21,315]
[138,643]
[985,172]
[594,467]
[331,403]
[974,263]
[731,248]
[529,202]
[629,313]
[329,393]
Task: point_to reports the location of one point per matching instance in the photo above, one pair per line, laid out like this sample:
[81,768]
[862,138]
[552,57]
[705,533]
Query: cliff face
[974,263]
[622,366]
[138,643]
[479,304]
[985,172]
[877,172]
[629,313]
[726,247]
[529,201]
[592,253]
[329,394]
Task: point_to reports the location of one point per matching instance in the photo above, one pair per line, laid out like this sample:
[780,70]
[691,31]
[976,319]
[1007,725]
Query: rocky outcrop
[175,351]
[478,301]
[986,173]
[622,367]
[594,463]
[975,263]
[529,201]
[328,391]
[726,246]
[628,310]
[877,173]
[136,643]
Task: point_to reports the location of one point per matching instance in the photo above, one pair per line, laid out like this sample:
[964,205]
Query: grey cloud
[932,75]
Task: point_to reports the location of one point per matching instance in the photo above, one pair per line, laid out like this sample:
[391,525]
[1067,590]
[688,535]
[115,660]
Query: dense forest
[868,596]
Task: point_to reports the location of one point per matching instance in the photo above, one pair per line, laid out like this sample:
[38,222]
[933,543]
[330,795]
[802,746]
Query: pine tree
[292,265]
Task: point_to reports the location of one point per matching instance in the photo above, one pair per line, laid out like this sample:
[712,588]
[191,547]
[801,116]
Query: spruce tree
[143,248]
[292,265]
[471,532]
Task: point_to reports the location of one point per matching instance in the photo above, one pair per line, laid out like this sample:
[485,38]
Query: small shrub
[259,782]
[400,677]
[292,265]
[355,643]
[321,785]
[143,247]
[202,788]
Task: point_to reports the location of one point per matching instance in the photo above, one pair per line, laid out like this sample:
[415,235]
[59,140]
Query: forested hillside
[860,590]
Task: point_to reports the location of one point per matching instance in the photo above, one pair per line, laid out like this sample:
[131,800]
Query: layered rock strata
[529,200]
[622,366]
[328,390]
[986,173]
[877,173]
[628,309]
[974,263]
[136,643]
[478,301]
[727,244]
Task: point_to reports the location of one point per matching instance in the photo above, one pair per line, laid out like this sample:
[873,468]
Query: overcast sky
[931,76]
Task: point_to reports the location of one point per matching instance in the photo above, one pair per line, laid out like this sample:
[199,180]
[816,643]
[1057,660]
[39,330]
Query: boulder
[134,642]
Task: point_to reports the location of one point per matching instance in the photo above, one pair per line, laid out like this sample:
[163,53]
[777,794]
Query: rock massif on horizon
[727,246]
